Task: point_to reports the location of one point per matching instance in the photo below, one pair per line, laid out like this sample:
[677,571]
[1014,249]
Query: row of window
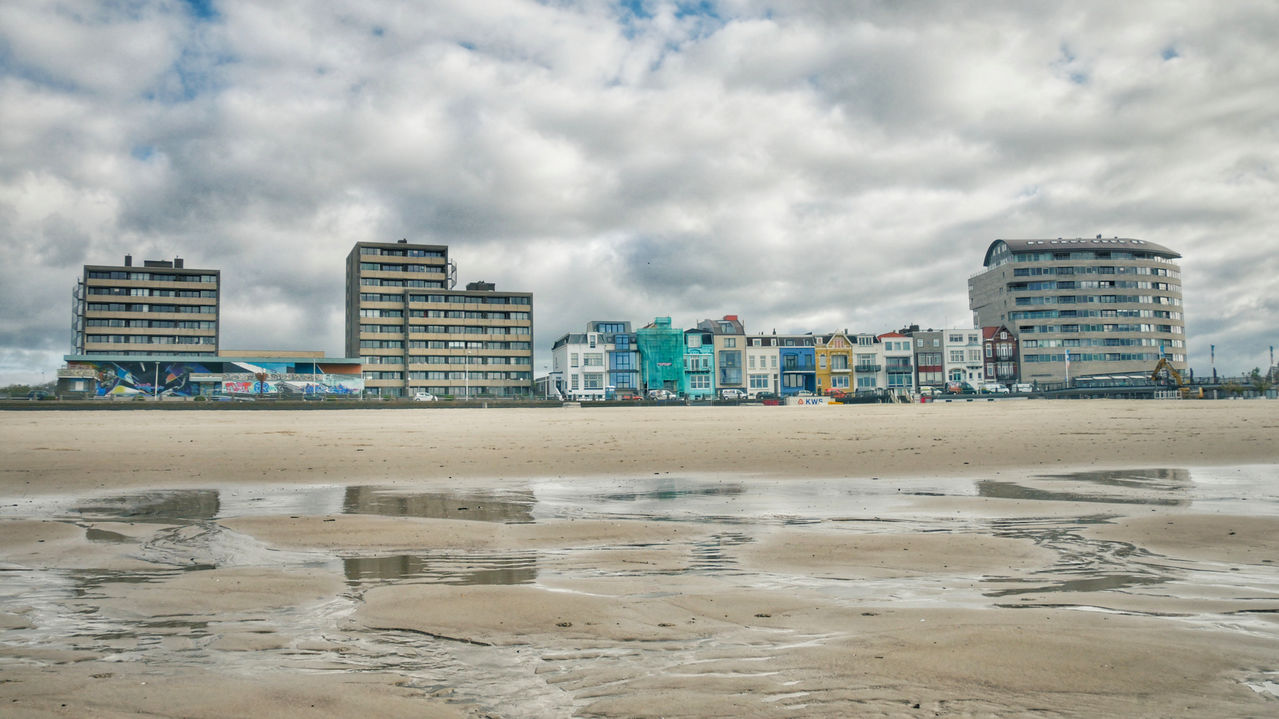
[1041,329]
[1066,314]
[1104,342]
[441,391]
[1095,285]
[399,252]
[447,299]
[1104,299]
[150,292]
[438,375]
[1096,270]
[447,329]
[152,324]
[149,339]
[1085,255]
[178,309]
[448,314]
[148,276]
[384,282]
[448,359]
[1151,357]
[384,267]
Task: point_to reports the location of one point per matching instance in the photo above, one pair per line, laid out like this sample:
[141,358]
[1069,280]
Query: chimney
[128,260]
[177,262]
[402,242]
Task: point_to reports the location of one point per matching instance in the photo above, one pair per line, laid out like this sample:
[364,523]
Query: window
[752,362]
[839,381]
[572,360]
[759,381]
[593,380]
[593,359]
[699,381]
[990,351]
[575,381]
[821,361]
[956,355]
[730,341]
[867,382]
[839,362]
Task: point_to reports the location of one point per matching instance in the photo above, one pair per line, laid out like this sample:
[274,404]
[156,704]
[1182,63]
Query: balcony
[869,367]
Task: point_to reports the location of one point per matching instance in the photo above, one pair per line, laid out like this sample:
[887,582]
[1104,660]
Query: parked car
[424,397]
[1023,388]
[660,394]
[994,388]
[732,393]
[959,388]
[804,393]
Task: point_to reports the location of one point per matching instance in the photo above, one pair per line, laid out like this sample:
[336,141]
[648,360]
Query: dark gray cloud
[807,165]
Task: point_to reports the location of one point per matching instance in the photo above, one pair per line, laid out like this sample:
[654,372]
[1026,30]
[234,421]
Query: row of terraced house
[718,358]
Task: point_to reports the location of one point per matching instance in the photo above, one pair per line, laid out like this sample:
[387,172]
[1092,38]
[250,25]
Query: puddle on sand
[67,610]
[443,568]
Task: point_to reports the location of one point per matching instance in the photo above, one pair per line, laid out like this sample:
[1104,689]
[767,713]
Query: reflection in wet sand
[181,535]
[473,506]
[453,568]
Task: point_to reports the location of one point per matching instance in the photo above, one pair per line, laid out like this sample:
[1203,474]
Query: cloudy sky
[806,164]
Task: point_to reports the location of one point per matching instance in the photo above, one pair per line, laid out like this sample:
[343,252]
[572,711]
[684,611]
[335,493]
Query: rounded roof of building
[1079,243]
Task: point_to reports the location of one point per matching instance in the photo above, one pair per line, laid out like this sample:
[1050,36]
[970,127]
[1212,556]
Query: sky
[806,165]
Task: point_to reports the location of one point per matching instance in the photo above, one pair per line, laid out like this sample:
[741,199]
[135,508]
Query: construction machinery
[1168,375]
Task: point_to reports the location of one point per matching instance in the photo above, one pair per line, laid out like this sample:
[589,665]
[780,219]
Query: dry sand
[971,602]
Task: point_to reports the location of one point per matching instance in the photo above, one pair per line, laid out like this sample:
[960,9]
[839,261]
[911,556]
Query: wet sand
[981,559]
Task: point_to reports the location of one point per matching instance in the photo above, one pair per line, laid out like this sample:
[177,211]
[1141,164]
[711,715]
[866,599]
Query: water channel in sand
[147,538]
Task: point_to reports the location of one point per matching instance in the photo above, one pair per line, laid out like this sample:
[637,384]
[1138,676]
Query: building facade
[761,365]
[1110,305]
[600,363]
[899,366]
[160,308]
[699,364]
[661,351]
[728,336]
[414,332]
[930,367]
[962,356]
[835,361]
[999,352]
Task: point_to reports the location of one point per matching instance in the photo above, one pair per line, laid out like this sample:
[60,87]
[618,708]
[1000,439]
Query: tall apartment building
[729,338]
[1083,306]
[414,332]
[160,308]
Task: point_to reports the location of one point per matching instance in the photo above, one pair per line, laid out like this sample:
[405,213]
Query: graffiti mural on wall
[291,378]
[187,379]
[126,379]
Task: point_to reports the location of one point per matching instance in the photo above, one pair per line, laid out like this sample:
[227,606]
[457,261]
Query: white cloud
[809,166]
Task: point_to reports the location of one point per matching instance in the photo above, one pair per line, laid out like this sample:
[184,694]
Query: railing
[868,367]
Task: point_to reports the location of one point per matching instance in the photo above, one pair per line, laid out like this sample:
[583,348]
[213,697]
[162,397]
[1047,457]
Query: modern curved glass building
[1083,307]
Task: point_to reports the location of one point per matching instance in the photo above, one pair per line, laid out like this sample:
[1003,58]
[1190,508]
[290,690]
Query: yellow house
[834,363]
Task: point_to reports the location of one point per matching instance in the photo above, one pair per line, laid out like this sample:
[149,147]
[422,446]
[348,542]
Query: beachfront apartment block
[600,363]
[1099,307]
[160,308]
[415,333]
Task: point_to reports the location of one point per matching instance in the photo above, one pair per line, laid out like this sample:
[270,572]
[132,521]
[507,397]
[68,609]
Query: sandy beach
[1018,558]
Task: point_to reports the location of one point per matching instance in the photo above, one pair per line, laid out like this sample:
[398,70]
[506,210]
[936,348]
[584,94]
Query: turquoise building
[661,351]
